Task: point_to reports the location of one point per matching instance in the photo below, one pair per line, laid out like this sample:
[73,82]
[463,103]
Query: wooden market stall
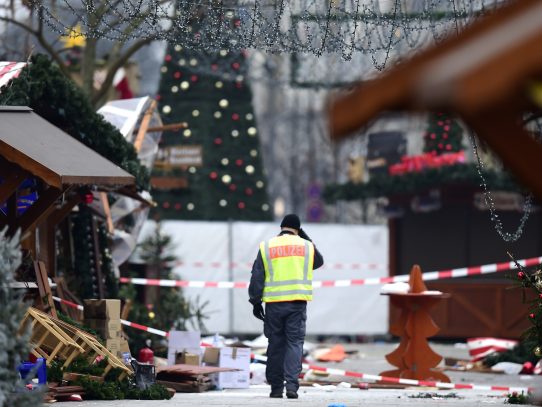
[45,173]
[489,75]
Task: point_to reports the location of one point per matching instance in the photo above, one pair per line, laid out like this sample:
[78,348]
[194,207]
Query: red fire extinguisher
[146,355]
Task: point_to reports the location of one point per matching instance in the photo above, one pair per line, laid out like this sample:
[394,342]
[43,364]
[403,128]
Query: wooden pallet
[52,338]
[47,339]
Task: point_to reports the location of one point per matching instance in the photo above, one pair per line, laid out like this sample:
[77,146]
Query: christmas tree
[212,169]
[443,135]
[14,347]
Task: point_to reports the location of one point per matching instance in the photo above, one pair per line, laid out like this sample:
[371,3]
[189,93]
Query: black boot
[291,394]
[275,394]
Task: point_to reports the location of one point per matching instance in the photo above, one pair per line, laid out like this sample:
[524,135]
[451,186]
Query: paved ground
[370,360]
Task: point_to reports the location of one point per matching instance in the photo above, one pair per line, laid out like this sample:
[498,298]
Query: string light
[345,27]
[494,216]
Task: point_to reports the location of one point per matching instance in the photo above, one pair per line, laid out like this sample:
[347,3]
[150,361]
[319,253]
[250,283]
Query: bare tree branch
[115,66]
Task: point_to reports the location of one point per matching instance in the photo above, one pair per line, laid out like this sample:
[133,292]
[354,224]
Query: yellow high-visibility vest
[288,262]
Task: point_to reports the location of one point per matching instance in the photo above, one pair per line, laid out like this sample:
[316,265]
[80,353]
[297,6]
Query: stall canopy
[47,152]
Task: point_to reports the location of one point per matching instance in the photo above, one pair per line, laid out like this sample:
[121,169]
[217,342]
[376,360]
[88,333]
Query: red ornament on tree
[177,206]
[88,198]
[167,58]
[532,315]
[165,204]
[238,162]
[249,191]
[235,65]
[521,275]
[241,205]
[194,78]
[158,97]
[235,116]
[177,75]
[214,67]
[233,187]
[213,175]
[218,141]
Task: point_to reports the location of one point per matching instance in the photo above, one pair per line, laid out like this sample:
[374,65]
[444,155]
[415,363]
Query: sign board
[179,156]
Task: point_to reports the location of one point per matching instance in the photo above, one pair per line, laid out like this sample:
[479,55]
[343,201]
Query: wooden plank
[47,246]
[107,211]
[46,296]
[64,293]
[60,214]
[11,181]
[144,126]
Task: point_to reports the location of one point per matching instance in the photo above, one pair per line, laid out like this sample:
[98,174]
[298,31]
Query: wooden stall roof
[47,152]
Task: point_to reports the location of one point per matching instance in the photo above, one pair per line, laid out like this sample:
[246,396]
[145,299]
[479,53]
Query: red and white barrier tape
[411,382]
[248,265]
[429,276]
[69,303]
[341,372]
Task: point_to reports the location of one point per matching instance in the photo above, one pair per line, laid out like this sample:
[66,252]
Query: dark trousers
[284,327]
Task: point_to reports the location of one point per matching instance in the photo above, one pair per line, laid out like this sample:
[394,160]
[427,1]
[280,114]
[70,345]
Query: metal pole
[230,272]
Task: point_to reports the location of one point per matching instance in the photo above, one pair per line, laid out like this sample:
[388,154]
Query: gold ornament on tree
[538,351]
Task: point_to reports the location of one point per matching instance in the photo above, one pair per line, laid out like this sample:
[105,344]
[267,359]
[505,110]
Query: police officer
[282,278]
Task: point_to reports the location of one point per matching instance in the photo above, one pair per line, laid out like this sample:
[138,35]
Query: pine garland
[418,182]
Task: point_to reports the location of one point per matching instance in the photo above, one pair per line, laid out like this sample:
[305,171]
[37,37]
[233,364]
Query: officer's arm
[318,259]
[257,281]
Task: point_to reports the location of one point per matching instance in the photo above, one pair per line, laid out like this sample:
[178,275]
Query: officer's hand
[258,311]
[303,235]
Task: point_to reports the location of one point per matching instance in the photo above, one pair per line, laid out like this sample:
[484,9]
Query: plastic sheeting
[206,250]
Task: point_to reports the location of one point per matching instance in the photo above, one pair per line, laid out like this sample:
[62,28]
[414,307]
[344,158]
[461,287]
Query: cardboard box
[102,309]
[183,341]
[106,328]
[236,358]
[185,358]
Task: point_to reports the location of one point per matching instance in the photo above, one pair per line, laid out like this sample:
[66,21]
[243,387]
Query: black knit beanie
[291,221]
